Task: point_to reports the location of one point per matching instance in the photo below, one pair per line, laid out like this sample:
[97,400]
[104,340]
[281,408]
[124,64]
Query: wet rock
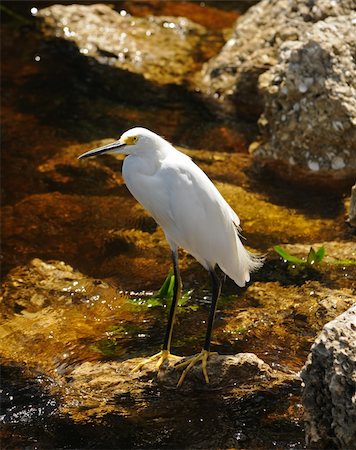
[309,120]
[39,282]
[229,81]
[206,14]
[83,230]
[136,58]
[52,315]
[52,318]
[286,316]
[122,388]
[329,385]
[42,300]
[124,409]
[223,371]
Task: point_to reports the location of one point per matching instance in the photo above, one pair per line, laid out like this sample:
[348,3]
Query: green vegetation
[113,344]
[164,297]
[313,258]
[106,347]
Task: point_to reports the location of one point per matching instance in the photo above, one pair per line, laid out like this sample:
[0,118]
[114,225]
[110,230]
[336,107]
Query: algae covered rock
[52,318]
[329,385]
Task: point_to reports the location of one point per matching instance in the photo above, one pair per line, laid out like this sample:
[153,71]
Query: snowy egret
[193,215]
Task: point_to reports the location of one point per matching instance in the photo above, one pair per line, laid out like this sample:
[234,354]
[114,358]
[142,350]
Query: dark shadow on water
[160,418]
[83,96]
[321,203]
[182,419]
[88,180]
[31,420]
[25,408]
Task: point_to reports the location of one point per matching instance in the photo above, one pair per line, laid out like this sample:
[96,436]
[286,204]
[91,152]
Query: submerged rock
[88,203]
[275,319]
[80,334]
[52,318]
[329,385]
[90,232]
[48,309]
[77,336]
[209,14]
[135,58]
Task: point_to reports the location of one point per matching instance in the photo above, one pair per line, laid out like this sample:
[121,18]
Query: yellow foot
[203,356]
[160,357]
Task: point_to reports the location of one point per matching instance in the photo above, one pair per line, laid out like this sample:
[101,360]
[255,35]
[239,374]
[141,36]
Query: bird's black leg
[176,295]
[204,354]
[165,354]
[216,289]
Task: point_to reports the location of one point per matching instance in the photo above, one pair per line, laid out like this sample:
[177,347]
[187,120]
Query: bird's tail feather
[246,263]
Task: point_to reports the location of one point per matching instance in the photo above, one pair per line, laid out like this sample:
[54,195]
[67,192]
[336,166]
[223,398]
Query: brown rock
[137,58]
[52,320]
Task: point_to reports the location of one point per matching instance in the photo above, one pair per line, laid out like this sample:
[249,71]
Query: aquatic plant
[164,296]
[313,258]
[112,344]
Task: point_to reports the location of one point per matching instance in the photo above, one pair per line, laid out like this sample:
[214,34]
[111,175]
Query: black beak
[101,150]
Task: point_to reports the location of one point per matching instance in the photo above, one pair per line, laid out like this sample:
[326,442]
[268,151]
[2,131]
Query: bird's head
[131,142]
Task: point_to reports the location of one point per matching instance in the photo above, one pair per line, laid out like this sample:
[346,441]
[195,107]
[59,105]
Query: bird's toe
[203,356]
[161,357]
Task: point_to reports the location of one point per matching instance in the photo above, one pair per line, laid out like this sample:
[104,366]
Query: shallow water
[57,208]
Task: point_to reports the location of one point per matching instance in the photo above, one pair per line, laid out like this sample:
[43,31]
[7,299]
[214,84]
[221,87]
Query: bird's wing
[205,224]
[151,190]
[193,215]
[202,220]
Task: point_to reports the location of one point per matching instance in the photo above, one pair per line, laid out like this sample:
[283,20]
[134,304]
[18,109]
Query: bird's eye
[130,140]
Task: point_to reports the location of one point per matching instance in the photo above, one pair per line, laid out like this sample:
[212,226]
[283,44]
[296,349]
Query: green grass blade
[343,262]
[166,288]
[311,259]
[286,256]
[319,255]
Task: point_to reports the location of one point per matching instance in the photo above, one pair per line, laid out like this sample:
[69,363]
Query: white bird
[193,215]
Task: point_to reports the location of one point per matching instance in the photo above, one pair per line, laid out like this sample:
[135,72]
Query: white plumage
[193,215]
[187,205]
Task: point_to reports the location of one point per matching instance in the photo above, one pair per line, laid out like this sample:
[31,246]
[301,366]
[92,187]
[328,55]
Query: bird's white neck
[149,159]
